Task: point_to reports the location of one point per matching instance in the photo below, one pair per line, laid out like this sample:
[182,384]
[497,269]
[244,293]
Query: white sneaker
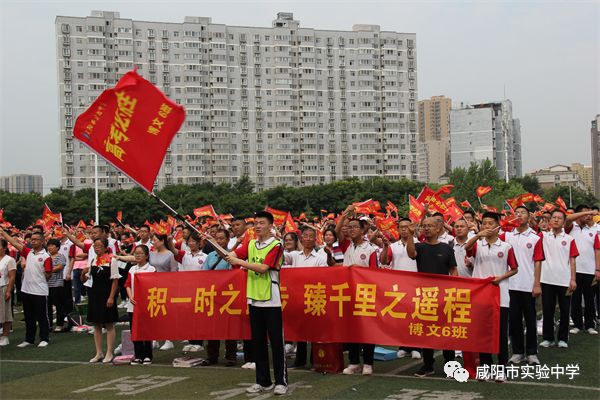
[517,358]
[167,346]
[43,343]
[402,353]
[195,348]
[458,354]
[547,343]
[4,341]
[252,366]
[367,369]
[122,305]
[245,366]
[25,344]
[532,359]
[562,344]
[592,331]
[104,331]
[240,346]
[118,349]
[256,388]
[540,327]
[280,390]
[91,330]
[352,369]
[575,330]
[415,354]
[155,344]
[187,347]
[289,348]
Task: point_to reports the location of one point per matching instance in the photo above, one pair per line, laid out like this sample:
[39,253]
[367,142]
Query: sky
[543,55]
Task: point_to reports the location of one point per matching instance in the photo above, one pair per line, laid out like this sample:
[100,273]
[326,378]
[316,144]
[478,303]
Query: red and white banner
[335,304]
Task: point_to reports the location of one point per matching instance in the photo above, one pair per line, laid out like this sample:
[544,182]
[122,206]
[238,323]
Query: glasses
[353,227]
[430,226]
[98,245]
[403,227]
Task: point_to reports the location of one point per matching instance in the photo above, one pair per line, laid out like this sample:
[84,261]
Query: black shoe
[424,371]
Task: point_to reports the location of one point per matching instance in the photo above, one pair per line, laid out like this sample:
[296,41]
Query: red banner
[335,304]
[131,127]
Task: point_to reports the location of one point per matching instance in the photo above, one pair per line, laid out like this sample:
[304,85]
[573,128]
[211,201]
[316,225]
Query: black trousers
[212,350]
[428,359]
[248,355]
[354,353]
[18,280]
[522,304]
[265,320]
[68,295]
[301,354]
[35,309]
[141,348]
[56,298]
[549,294]
[486,358]
[587,291]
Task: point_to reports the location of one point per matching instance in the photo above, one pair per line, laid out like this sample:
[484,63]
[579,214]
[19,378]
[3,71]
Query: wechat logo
[453,369]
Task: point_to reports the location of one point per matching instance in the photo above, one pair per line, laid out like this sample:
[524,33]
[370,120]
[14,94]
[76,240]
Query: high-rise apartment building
[434,118]
[281,104]
[596,154]
[487,131]
[434,159]
[586,175]
[22,183]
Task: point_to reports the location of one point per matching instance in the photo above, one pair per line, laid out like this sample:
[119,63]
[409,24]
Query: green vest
[259,285]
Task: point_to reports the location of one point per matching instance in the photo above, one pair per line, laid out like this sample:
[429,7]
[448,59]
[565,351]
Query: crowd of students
[555,256]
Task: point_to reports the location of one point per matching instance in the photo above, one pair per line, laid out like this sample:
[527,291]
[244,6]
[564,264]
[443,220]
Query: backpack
[74,319]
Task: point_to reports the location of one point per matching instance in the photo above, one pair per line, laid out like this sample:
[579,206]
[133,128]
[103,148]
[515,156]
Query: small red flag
[81,224]
[509,224]
[482,190]
[120,216]
[466,204]
[290,226]
[206,211]
[279,217]
[1,217]
[444,189]
[437,205]
[367,207]
[549,207]
[455,212]
[302,216]
[537,198]
[526,198]
[131,127]
[416,210]
[80,236]
[561,203]
[514,203]
[249,235]
[425,195]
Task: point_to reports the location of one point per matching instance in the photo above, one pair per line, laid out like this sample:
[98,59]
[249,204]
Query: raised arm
[12,240]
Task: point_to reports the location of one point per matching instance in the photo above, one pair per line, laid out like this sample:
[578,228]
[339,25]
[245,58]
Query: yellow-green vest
[259,285]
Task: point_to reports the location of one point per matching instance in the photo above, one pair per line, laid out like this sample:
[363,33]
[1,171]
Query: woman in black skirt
[102,308]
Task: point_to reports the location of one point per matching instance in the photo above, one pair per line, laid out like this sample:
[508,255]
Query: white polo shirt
[400,259]
[34,276]
[528,249]
[65,250]
[445,238]
[191,262]
[558,249]
[148,243]
[299,259]
[587,242]
[363,254]
[491,260]
[459,254]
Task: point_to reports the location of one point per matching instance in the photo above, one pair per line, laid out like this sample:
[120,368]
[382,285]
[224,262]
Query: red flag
[206,211]
[466,204]
[105,259]
[493,209]
[131,127]
[225,216]
[249,235]
[290,226]
[514,203]
[416,210]
[367,207]
[279,217]
[537,198]
[549,207]
[80,236]
[1,217]
[509,224]
[120,216]
[482,190]
[385,224]
[320,241]
[444,189]
[561,203]
[526,198]
[113,224]
[92,222]
[49,219]
[302,216]
[324,211]
[455,212]
[449,200]
[178,237]
[437,205]
[392,208]
[425,195]
[171,221]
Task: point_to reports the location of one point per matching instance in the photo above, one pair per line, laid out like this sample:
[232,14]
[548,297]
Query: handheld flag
[120,216]
[279,217]
[482,190]
[526,198]
[561,203]
[549,207]
[514,203]
[466,204]
[425,195]
[290,226]
[131,126]
[537,198]
[206,211]
[416,210]
[444,189]
[1,217]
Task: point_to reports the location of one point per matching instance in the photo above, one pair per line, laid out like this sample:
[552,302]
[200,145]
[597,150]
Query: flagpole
[96,189]
[216,246]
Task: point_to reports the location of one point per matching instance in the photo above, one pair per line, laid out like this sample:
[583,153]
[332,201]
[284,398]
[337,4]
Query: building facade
[586,175]
[21,183]
[434,118]
[487,131]
[281,104]
[434,159]
[558,175]
[596,155]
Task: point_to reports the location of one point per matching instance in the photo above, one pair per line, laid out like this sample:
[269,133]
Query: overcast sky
[544,53]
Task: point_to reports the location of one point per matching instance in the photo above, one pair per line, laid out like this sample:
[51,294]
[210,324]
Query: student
[8,268]
[558,273]
[494,258]
[68,251]
[524,288]
[331,251]
[264,259]
[142,349]
[432,257]
[357,253]
[38,270]
[55,284]
[400,261]
[305,258]
[145,237]
[588,267]
[214,262]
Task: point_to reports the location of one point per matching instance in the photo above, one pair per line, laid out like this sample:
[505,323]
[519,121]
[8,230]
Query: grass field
[62,371]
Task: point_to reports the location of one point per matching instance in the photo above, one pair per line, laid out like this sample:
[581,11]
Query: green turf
[61,369]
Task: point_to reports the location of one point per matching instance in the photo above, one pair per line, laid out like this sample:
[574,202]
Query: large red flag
[482,190]
[131,127]
[290,226]
[279,217]
[367,207]
[437,205]
[416,210]
[425,195]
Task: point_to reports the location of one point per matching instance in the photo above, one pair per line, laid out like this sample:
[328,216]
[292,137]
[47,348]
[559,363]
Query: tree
[530,184]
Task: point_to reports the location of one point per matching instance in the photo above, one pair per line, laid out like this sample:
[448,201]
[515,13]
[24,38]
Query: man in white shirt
[588,267]
[238,226]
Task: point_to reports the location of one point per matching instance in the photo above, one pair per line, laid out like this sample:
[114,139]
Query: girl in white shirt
[8,269]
